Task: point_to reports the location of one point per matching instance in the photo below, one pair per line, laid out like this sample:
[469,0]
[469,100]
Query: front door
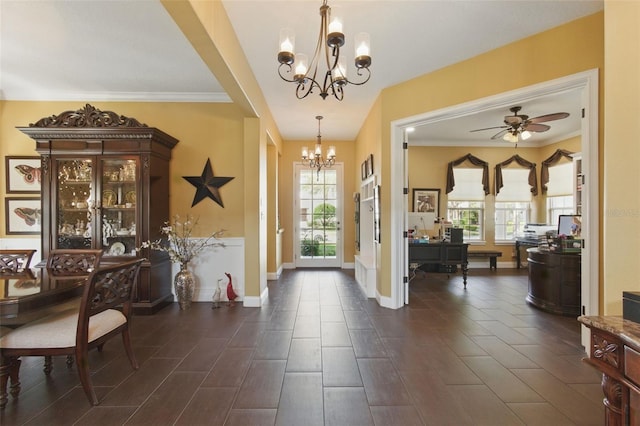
[317,217]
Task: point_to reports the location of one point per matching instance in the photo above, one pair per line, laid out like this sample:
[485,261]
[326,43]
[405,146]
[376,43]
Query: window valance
[553,159]
[476,162]
[532,179]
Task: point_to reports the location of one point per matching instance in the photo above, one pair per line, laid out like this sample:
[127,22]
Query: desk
[441,254]
[526,242]
[28,296]
[554,281]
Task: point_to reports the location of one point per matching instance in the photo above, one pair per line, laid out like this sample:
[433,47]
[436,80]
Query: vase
[184,284]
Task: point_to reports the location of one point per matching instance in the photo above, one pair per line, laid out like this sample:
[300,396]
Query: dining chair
[70,263]
[75,332]
[15,261]
[73,262]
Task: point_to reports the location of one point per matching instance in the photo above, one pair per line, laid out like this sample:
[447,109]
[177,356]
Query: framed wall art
[23,215]
[426,200]
[370,165]
[23,174]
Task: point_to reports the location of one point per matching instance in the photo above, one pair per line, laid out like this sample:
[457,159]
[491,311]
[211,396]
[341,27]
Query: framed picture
[370,165]
[376,214]
[23,215]
[426,200]
[363,170]
[23,174]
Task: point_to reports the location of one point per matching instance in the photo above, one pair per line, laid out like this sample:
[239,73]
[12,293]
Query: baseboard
[272,276]
[350,265]
[256,302]
[289,265]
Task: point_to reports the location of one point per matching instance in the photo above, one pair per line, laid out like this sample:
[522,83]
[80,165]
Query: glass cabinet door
[75,202]
[118,206]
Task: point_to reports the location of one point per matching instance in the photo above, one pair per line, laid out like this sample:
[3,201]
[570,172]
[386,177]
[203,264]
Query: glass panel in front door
[318,224]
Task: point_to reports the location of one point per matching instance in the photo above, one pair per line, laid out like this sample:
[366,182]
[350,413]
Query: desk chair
[75,332]
[15,261]
[70,263]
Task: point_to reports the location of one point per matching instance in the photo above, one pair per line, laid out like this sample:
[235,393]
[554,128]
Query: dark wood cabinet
[615,351]
[554,281]
[105,184]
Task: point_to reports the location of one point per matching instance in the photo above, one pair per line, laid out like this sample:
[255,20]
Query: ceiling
[115,50]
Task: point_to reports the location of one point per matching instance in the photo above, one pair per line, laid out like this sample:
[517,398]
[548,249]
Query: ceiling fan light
[510,137]
[525,135]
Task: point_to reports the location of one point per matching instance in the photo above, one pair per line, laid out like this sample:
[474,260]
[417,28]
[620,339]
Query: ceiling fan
[520,126]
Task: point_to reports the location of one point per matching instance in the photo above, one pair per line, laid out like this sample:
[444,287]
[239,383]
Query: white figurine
[216,296]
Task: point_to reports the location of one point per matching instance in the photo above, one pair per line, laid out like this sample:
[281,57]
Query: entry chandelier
[314,159]
[295,68]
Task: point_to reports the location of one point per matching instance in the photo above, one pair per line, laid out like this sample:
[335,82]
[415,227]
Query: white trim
[212,97]
[289,265]
[274,275]
[587,82]
[256,302]
[349,265]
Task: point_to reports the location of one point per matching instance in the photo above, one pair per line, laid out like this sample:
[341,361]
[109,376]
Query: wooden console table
[441,254]
[615,351]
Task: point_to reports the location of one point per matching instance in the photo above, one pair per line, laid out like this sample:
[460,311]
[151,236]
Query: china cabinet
[105,184]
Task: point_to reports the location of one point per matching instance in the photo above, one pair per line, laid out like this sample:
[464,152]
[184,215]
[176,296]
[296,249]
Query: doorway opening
[587,83]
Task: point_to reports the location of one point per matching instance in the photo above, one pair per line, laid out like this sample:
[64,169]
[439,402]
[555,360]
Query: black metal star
[207,185]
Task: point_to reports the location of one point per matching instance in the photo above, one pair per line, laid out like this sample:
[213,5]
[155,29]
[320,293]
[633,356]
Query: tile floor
[320,353]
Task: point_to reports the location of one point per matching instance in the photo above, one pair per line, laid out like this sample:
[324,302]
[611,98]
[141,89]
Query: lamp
[315,159]
[296,68]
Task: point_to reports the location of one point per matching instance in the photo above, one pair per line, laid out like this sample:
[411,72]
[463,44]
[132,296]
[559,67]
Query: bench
[493,255]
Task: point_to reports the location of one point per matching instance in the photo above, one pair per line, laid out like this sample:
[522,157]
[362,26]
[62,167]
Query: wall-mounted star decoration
[207,185]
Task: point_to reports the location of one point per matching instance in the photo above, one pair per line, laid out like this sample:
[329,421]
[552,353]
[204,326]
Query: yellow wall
[290,155]
[428,169]
[621,170]
[204,130]
[565,50]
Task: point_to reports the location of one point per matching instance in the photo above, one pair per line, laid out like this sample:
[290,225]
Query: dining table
[33,293]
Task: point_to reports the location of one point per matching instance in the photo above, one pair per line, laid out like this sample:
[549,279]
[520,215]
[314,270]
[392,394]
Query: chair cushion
[59,330]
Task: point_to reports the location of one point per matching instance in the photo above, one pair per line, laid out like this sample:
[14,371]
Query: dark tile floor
[321,354]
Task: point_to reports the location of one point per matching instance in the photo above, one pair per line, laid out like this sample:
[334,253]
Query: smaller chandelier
[314,159]
[296,68]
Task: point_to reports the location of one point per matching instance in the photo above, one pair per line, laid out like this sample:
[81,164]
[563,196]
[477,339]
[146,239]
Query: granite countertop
[627,331]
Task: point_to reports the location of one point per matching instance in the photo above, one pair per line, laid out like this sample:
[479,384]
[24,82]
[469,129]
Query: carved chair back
[15,261]
[73,262]
[108,287]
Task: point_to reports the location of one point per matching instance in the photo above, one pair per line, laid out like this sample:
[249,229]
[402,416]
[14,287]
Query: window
[510,220]
[465,205]
[560,192]
[512,204]
[561,204]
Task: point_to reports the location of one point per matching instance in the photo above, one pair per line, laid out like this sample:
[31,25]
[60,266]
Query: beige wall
[621,171]
[565,50]
[428,169]
[290,155]
[204,130]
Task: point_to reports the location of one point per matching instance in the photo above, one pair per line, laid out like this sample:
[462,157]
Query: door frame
[588,83]
[339,261]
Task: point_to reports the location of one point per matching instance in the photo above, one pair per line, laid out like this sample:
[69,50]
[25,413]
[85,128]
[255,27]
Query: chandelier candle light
[315,159]
[330,40]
